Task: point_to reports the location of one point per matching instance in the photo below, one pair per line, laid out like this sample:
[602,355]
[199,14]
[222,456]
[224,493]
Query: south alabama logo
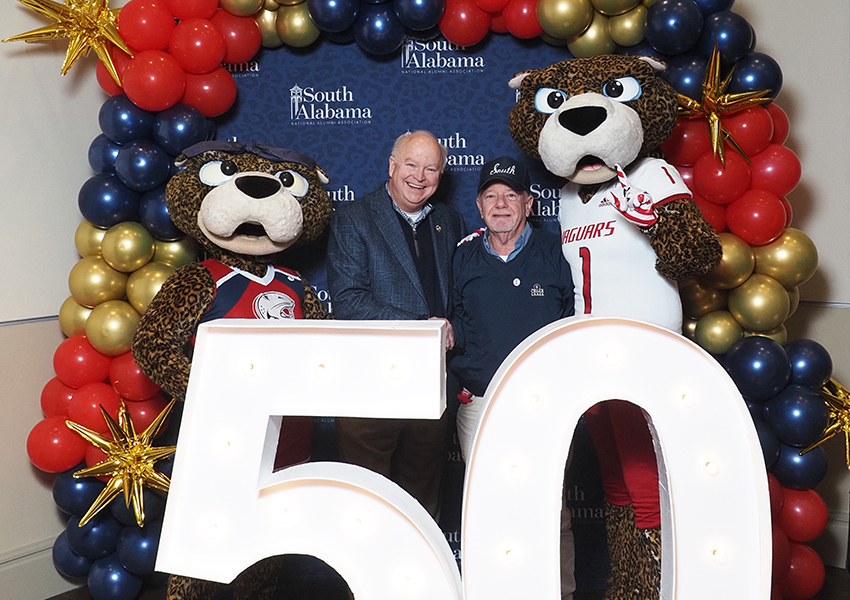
[437,56]
[309,106]
[274,306]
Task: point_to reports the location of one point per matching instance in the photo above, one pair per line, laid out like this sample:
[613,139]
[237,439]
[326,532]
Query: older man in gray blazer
[389,257]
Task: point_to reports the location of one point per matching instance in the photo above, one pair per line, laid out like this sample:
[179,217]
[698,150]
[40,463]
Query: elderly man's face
[415,172]
[504,209]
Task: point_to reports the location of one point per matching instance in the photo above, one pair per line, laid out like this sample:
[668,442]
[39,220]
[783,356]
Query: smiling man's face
[415,172]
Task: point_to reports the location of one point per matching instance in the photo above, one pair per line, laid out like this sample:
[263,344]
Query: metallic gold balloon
[699,299]
[689,328]
[271,5]
[614,7]
[552,40]
[143,284]
[72,317]
[760,303]
[779,335]
[178,253]
[717,331]
[290,2]
[791,259]
[628,29]
[87,239]
[794,298]
[110,327]
[594,40]
[736,264]
[295,26]
[127,246]
[92,281]
[648,3]
[267,20]
[564,19]
[242,8]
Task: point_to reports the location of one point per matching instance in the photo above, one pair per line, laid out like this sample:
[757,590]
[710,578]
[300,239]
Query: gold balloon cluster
[120,271]
[281,21]
[591,27]
[752,291]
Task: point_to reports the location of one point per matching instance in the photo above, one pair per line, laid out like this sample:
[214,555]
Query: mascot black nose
[258,186]
[583,119]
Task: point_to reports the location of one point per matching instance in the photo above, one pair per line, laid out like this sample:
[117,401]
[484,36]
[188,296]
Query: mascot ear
[655,64]
[516,80]
[323,177]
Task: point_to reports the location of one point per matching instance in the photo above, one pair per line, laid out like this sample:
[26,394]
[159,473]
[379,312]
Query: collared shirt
[413,222]
[518,245]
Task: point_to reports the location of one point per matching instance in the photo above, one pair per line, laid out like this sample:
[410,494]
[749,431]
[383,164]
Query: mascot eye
[623,89]
[217,172]
[294,182]
[548,100]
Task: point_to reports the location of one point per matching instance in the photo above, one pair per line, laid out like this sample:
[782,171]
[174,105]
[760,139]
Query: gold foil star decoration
[129,461]
[837,399]
[88,24]
[716,102]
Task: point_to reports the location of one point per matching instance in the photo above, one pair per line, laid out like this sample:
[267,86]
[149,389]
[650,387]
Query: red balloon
[53,447]
[521,18]
[55,398]
[212,93]
[789,212]
[689,140]
[154,80]
[687,174]
[197,45]
[119,61]
[128,379]
[777,495]
[95,455]
[757,217]
[463,23]
[497,23]
[192,9]
[776,170]
[803,516]
[715,214]
[751,128]
[77,363]
[781,551]
[721,183]
[143,413]
[84,408]
[146,24]
[491,6]
[781,125]
[242,35]
[805,575]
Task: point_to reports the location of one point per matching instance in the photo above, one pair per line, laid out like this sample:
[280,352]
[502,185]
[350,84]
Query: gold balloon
[72,317]
[648,3]
[552,40]
[779,335]
[794,298]
[177,253]
[628,29]
[143,284]
[127,246]
[242,8]
[717,331]
[87,239]
[564,19]
[791,259]
[290,2]
[271,5]
[736,264]
[267,21]
[295,26]
[760,303]
[689,328]
[593,41]
[699,299]
[92,281]
[614,7]
[110,327]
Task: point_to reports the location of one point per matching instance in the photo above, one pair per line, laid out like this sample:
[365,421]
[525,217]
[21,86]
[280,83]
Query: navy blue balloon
[153,214]
[758,366]
[102,154]
[685,73]
[769,443]
[755,72]
[798,415]
[333,16]
[811,364]
[143,165]
[377,30]
[756,410]
[732,33]
[75,496]
[800,472]
[137,547]
[673,26]
[419,15]
[122,121]
[109,580]
[154,504]
[340,37]
[179,127]
[104,201]
[712,6]
[67,562]
[97,538]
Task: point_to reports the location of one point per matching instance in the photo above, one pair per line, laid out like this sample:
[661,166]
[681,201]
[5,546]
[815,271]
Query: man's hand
[633,203]
[450,334]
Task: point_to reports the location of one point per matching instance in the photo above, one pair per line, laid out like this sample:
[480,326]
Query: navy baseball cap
[508,171]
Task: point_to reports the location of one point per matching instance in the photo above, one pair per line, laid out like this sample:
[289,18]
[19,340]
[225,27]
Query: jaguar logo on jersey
[437,56]
[311,106]
[460,157]
[274,306]
[547,203]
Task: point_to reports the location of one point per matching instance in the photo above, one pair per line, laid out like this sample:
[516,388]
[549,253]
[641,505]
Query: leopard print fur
[635,556]
[257,582]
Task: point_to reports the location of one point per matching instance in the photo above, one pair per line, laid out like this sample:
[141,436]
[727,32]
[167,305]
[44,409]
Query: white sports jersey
[612,263]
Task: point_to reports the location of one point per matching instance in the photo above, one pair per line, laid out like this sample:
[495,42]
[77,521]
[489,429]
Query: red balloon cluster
[85,381]
[466,22]
[178,50]
[746,196]
[799,516]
